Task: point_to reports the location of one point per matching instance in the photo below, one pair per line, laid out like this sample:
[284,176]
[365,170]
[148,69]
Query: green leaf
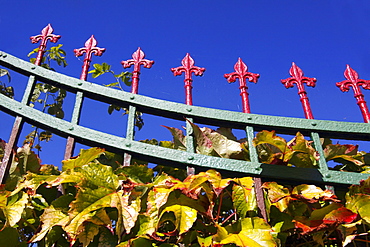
[205,242]
[99,176]
[138,173]
[9,237]
[36,50]
[85,157]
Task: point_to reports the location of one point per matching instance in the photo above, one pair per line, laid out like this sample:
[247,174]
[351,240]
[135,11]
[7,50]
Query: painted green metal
[156,154]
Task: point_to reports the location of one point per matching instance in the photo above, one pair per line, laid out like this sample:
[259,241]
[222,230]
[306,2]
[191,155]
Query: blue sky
[321,37]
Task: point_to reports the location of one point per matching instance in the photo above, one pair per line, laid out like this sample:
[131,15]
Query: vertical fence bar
[46,34]
[89,49]
[241,73]
[138,59]
[353,81]
[298,78]
[257,181]
[188,68]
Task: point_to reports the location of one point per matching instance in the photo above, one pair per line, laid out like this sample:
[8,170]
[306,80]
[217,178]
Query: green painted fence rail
[200,115]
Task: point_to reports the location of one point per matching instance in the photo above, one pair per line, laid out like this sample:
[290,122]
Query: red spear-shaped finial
[353,81]
[46,34]
[241,73]
[298,79]
[89,49]
[188,68]
[137,60]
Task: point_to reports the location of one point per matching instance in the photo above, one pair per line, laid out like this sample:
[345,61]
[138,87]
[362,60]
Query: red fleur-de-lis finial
[241,73]
[188,68]
[138,59]
[89,49]
[353,81]
[46,34]
[298,79]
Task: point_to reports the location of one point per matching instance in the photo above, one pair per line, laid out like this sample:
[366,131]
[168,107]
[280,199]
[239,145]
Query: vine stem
[219,206]
[231,215]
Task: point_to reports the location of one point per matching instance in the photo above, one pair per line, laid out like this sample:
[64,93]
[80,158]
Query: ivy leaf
[347,155]
[27,160]
[323,218]
[87,233]
[203,142]
[278,195]
[185,217]
[303,154]
[271,148]
[14,209]
[85,157]
[5,72]
[45,136]
[138,173]
[127,214]
[312,193]
[224,146]
[98,176]
[218,183]
[255,232]
[240,195]
[358,199]
[9,237]
[178,138]
[50,218]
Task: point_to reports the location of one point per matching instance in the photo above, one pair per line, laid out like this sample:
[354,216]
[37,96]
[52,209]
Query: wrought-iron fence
[201,115]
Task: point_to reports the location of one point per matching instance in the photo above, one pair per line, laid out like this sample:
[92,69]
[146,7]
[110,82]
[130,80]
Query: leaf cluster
[4,88]
[94,201]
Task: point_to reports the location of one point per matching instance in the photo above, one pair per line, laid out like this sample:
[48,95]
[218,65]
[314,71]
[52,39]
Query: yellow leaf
[185,217]
[50,218]
[85,157]
[13,212]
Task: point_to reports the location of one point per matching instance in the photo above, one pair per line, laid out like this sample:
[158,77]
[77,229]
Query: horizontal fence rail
[201,115]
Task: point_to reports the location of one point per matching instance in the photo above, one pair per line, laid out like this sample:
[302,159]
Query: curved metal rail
[156,154]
